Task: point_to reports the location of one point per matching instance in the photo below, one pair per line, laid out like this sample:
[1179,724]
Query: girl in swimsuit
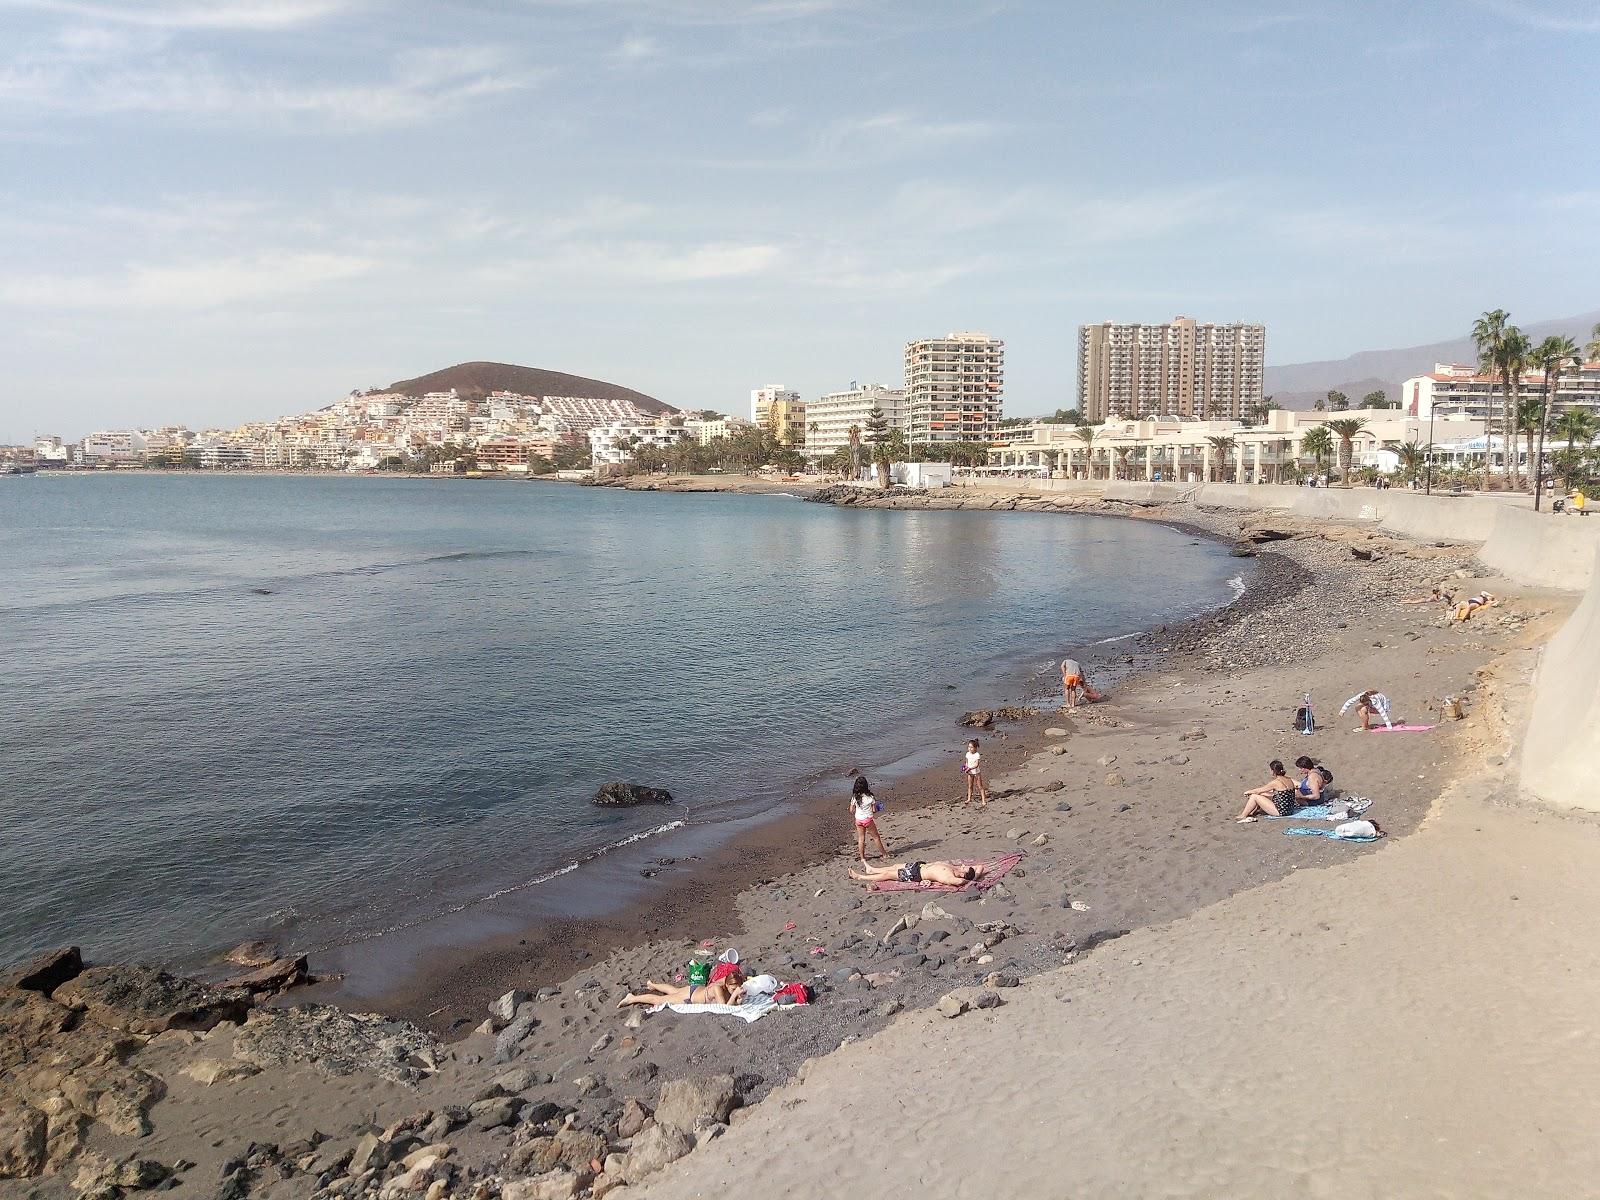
[728,990]
[864,806]
[1275,798]
[973,770]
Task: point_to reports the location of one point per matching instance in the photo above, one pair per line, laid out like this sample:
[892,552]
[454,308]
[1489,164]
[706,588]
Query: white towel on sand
[753,1011]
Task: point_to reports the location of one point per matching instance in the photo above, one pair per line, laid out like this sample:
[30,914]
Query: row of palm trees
[1507,353]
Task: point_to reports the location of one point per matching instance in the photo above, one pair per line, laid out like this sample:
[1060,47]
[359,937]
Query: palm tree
[1552,357]
[1085,434]
[1338,402]
[1318,443]
[1222,445]
[1515,354]
[1375,399]
[1592,350]
[853,440]
[1413,457]
[1488,335]
[1345,429]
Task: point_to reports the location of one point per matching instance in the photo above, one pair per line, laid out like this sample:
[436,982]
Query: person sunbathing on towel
[727,990]
[950,874]
[1437,596]
[1472,604]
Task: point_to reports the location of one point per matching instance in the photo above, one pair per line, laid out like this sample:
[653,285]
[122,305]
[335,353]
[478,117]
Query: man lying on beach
[950,874]
[1436,596]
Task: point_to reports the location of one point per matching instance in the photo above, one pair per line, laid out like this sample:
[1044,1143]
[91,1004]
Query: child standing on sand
[864,807]
[974,773]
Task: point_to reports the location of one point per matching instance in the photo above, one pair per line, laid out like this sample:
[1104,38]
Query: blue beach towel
[1311,812]
[1327,833]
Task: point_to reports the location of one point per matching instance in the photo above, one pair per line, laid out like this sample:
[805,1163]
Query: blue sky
[215,211]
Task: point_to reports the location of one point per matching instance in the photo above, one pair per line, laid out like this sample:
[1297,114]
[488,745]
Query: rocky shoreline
[122,1079]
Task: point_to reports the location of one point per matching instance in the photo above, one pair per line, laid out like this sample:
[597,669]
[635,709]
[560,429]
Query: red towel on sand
[991,877]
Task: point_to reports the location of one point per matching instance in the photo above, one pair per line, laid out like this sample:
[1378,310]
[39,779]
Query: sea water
[243,705]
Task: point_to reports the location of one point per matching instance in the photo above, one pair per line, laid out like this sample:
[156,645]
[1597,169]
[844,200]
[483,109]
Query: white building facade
[954,388]
[1459,389]
[614,444]
[833,413]
[1177,368]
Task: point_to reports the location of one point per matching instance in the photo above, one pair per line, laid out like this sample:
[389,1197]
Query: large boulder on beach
[22,1141]
[686,1104]
[630,795]
[144,1000]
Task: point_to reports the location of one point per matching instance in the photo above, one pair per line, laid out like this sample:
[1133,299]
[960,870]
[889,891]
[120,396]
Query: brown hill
[481,378]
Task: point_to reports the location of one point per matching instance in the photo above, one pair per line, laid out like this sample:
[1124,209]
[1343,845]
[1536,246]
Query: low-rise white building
[1461,389]
[614,444]
[113,447]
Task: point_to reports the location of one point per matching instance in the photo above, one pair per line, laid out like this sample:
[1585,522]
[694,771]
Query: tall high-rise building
[833,414]
[1182,368]
[953,388]
[761,400]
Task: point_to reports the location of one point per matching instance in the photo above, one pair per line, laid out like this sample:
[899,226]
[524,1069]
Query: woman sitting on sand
[950,874]
[1314,780]
[1274,798]
[727,990]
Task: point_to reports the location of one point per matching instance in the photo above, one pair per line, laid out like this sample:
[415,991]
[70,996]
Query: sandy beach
[1140,902]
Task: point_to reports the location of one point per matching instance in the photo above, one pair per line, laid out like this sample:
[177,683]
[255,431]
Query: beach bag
[1356,829]
[1302,719]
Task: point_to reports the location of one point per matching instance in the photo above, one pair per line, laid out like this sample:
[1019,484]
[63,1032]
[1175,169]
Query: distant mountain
[481,378]
[1298,385]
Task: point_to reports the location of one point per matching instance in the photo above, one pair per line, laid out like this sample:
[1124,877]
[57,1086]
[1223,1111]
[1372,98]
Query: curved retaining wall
[1561,752]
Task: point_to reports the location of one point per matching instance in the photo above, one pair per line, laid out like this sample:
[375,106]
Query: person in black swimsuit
[727,990]
[1275,798]
[949,874]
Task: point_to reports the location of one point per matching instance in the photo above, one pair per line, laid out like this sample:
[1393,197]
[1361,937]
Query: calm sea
[237,705]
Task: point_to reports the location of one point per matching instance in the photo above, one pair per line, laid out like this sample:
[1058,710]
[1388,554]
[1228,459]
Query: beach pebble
[1178,760]
[1063,807]
[999,979]
[1195,734]
[492,1114]
[654,1149]
[1055,731]
[1058,749]
[1055,785]
[633,1119]
[1105,760]
[1041,840]
[1115,780]
[988,1000]
[935,935]
[984,960]
[1122,808]
[1014,833]
[889,1007]
[952,1006]
[547,993]
[932,912]
[520,1079]
[635,1020]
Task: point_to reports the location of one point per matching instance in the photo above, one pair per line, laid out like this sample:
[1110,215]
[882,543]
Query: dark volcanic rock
[980,719]
[145,1000]
[630,795]
[47,972]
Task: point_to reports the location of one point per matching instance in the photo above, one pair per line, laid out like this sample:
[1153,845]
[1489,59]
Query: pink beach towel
[1403,729]
[996,870]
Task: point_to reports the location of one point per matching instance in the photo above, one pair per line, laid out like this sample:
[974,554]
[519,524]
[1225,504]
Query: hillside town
[1177,401]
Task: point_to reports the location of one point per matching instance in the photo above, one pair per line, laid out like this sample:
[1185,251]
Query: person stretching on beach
[864,806]
[1274,798]
[1369,704]
[1075,686]
[973,770]
[727,990]
[950,874]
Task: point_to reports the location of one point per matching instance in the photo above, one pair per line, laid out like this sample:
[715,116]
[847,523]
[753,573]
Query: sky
[213,211]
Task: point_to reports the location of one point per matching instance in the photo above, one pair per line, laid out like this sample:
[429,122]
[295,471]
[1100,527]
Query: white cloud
[196,284]
[1576,16]
[637,49]
[187,14]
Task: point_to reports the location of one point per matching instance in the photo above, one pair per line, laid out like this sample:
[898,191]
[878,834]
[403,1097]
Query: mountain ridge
[481,378]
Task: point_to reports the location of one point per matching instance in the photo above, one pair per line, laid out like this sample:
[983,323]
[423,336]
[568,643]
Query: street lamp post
[1428,491]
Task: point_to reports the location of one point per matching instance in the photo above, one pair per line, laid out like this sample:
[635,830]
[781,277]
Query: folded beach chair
[992,876]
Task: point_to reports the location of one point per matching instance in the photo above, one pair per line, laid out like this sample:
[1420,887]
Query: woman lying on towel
[729,989]
[949,874]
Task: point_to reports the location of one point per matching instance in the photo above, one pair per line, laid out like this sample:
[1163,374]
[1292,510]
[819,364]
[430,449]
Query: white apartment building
[51,452]
[763,398]
[834,413]
[1459,389]
[614,444]
[108,447]
[954,386]
[580,414]
[706,430]
[1180,368]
